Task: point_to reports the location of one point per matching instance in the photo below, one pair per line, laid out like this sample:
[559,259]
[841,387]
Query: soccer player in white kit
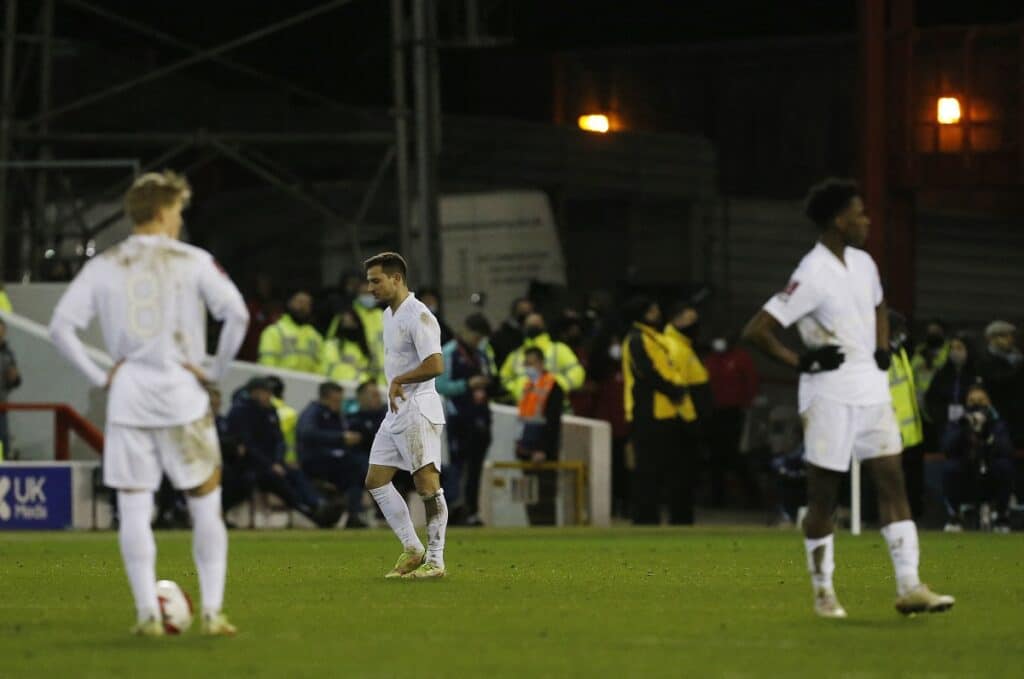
[409,438]
[835,299]
[151,292]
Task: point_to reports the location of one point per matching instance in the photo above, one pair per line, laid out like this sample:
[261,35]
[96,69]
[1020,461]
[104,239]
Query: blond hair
[152,192]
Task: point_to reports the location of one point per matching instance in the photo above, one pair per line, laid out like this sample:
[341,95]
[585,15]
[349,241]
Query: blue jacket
[462,362]
[956,441]
[319,432]
[258,429]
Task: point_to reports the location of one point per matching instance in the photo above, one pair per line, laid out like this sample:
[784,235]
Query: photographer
[978,468]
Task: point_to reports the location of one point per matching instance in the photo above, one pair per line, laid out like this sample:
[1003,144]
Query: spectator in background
[369,414]
[264,310]
[657,404]
[601,399]
[10,379]
[238,478]
[287,416]
[346,355]
[329,449]
[1000,370]
[432,298]
[945,397]
[978,468]
[559,360]
[540,413]
[371,318]
[510,335]
[5,300]
[734,386]
[928,359]
[466,384]
[253,420]
[292,342]
[908,413]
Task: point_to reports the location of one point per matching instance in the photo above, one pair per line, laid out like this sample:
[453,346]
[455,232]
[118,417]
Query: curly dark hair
[829,198]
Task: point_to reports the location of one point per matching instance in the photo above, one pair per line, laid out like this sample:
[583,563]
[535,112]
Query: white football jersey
[151,294]
[834,302]
[411,335]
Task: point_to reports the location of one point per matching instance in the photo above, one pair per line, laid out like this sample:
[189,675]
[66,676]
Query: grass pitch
[526,603]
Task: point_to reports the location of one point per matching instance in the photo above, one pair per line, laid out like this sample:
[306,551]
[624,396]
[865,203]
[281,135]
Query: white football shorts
[409,441]
[834,432]
[135,458]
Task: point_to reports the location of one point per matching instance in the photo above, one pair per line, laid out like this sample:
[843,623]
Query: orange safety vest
[535,398]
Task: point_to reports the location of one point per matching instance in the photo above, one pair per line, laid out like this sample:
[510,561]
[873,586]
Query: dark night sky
[344,53]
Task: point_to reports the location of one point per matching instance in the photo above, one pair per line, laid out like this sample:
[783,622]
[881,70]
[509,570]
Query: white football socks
[138,550]
[821,561]
[437,525]
[396,512]
[905,552]
[209,549]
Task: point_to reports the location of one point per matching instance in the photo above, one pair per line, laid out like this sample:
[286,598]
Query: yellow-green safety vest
[344,361]
[559,359]
[904,399]
[286,344]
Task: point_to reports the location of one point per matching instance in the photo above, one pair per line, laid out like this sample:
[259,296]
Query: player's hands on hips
[822,359]
[198,372]
[113,371]
[395,392]
[883,359]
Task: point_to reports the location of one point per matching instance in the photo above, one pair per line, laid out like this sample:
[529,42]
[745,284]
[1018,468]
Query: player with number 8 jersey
[150,293]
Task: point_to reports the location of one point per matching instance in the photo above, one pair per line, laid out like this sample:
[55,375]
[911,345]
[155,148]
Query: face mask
[533,332]
[350,333]
[719,345]
[483,344]
[367,300]
[934,341]
[957,358]
[533,374]
[897,340]
[520,319]
[615,352]
[300,317]
[690,330]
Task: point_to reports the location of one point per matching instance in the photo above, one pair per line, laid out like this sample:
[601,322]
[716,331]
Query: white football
[175,607]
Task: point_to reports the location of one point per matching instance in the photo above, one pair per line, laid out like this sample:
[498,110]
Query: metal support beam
[296,193]
[371,190]
[203,55]
[6,116]
[873,164]
[203,137]
[424,51]
[401,114]
[226,62]
[30,259]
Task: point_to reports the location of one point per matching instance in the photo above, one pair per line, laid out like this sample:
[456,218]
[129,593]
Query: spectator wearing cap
[467,383]
[331,450]
[1000,368]
[254,422]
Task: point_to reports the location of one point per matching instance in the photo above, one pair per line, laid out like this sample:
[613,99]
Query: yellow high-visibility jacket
[559,359]
[286,344]
[904,399]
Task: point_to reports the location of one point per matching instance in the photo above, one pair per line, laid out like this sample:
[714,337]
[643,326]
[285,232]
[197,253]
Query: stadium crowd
[688,417]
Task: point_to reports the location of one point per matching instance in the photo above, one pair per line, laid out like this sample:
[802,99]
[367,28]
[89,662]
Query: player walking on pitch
[409,438]
[835,299]
[151,293]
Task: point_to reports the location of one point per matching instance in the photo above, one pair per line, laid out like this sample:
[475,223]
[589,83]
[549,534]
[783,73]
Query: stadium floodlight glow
[949,111]
[594,122]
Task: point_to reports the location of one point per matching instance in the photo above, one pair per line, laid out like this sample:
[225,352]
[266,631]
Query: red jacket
[733,378]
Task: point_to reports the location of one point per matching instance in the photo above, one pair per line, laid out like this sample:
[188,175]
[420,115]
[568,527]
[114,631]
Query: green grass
[596,603]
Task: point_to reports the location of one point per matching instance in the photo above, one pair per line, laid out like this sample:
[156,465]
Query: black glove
[822,359]
[883,359]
